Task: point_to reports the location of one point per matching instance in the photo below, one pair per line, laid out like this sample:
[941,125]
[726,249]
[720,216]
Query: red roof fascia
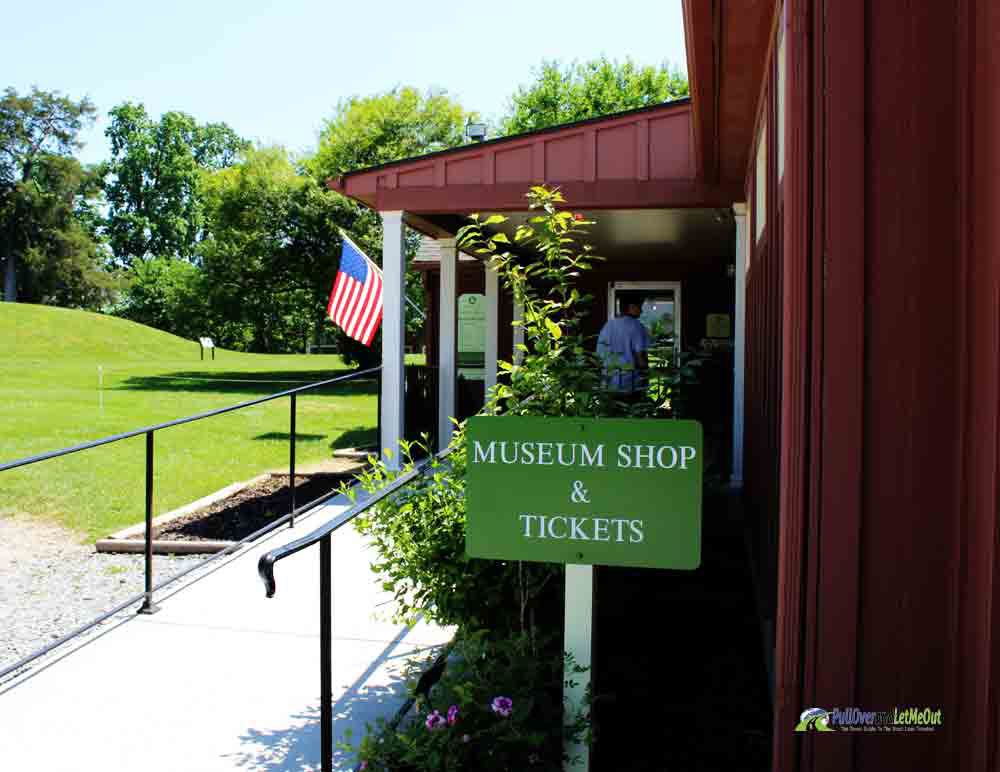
[642,158]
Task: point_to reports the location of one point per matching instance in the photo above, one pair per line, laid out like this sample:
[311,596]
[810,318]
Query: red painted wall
[978,621]
[891,349]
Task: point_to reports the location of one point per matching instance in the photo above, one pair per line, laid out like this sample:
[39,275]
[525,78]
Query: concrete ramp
[221,678]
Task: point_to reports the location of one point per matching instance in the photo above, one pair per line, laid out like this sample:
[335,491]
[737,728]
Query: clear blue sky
[274,70]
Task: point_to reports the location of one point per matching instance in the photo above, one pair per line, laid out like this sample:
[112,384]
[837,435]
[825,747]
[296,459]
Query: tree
[37,125]
[166,294]
[54,235]
[154,206]
[367,131]
[270,251]
[562,94]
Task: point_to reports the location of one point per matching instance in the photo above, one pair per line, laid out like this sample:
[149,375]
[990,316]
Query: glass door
[661,311]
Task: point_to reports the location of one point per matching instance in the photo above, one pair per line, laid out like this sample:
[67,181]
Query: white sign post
[584,492]
[578,636]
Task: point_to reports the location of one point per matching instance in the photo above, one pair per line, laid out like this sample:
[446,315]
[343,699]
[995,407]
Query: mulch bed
[250,509]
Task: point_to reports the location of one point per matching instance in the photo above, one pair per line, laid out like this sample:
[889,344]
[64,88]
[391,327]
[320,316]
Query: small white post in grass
[579,634]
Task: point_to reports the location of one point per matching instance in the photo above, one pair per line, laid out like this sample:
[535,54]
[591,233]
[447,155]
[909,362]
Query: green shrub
[498,706]
[419,535]
[558,374]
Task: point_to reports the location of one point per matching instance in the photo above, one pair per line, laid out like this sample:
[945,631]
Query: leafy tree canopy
[574,92]
[52,233]
[154,207]
[48,246]
[269,254]
[367,131]
[166,294]
[36,124]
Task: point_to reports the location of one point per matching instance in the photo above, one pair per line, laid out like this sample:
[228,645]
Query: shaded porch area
[679,243]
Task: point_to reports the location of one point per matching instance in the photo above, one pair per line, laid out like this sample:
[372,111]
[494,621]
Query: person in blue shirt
[623,347]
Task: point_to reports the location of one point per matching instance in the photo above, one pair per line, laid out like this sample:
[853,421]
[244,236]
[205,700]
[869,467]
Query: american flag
[356,300]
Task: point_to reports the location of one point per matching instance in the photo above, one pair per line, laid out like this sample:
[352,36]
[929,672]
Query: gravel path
[50,583]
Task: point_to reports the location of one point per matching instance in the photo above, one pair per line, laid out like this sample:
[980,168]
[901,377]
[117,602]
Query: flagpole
[350,241]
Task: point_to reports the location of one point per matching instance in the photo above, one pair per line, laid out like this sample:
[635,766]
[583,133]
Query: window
[760,183]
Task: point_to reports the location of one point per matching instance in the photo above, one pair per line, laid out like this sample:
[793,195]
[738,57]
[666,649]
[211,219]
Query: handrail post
[325,655]
[148,607]
[291,458]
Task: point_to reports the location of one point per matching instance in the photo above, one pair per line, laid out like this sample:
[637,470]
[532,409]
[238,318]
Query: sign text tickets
[608,491]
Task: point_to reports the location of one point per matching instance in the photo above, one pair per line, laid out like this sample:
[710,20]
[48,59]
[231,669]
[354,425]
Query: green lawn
[49,399]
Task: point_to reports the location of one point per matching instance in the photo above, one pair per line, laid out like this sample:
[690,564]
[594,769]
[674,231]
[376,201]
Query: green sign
[607,491]
[471,330]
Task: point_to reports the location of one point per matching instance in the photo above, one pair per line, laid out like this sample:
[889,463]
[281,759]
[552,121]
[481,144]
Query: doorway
[661,308]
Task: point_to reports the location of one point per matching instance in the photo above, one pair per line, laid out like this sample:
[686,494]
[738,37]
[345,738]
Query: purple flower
[452,715]
[363,767]
[435,720]
[502,706]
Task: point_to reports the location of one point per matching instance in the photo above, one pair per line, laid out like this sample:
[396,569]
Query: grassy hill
[50,398]
[44,333]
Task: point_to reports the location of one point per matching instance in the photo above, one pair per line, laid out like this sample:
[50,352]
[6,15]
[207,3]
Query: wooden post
[492,328]
[446,342]
[393,294]
[579,635]
[518,355]
[739,342]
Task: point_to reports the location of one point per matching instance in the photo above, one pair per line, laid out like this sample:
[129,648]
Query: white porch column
[393,312]
[518,354]
[492,327]
[446,341]
[739,341]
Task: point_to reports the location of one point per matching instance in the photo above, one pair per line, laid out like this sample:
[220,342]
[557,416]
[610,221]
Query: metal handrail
[263,531]
[265,566]
[322,535]
[148,606]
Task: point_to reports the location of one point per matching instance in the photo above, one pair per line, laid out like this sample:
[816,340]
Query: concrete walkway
[221,678]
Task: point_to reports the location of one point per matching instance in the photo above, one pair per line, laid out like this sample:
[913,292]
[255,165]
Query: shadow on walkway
[296,747]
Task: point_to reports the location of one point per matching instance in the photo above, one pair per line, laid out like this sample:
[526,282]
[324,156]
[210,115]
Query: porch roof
[637,159]
[727,46]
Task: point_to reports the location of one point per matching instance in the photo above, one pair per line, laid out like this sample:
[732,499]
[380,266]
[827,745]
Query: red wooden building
[845,156]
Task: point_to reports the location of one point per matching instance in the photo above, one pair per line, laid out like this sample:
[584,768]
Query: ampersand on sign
[579,494]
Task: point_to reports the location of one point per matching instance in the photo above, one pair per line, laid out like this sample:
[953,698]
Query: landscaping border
[131,539]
